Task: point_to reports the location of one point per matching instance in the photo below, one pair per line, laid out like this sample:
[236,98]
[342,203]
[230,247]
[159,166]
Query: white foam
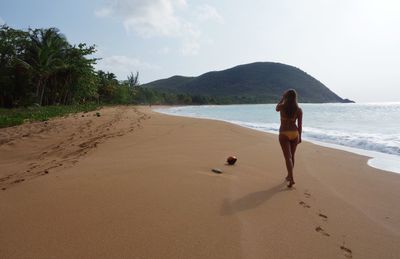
[379,160]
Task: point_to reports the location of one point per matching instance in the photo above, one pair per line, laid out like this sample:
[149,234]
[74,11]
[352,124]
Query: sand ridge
[44,147]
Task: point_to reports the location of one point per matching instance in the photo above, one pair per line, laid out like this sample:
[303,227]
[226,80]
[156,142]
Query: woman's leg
[293,146]
[286,149]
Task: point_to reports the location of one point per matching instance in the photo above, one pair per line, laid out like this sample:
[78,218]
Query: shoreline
[137,183]
[379,160]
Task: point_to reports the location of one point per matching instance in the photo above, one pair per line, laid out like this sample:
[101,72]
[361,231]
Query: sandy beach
[134,183]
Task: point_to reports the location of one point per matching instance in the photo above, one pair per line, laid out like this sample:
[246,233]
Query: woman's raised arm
[280,104]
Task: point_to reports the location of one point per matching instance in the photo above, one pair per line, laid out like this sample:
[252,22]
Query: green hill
[260,82]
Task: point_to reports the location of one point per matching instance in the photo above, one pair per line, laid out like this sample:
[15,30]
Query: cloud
[190,40]
[103,12]
[122,66]
[162,18]
[148,18]
[208,13]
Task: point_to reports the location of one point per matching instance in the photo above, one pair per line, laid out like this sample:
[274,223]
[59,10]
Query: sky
[351,46]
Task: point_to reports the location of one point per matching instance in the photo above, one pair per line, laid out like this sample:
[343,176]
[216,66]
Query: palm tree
[45,56]
[41,64]
[133,80]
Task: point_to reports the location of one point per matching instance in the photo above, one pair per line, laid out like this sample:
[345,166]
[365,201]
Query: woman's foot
[291,183]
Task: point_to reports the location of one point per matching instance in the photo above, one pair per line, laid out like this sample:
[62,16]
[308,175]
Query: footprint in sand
[308,195]
[322,231]
[347,251]
[5,178]
[19,180]
[305,205]
[56,147]
[323,216]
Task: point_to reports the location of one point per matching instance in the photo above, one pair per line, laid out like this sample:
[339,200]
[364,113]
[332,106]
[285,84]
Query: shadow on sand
[251,200]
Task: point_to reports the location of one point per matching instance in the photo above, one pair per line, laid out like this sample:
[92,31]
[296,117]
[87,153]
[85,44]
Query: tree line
[40,67]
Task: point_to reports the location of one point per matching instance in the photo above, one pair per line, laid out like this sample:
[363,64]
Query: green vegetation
[16,116]
[261,82]
[39,66]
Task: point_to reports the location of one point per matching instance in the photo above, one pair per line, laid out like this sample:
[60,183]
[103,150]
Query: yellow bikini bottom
[291,134]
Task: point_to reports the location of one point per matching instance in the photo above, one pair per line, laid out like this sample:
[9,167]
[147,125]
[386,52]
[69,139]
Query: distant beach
[136,183]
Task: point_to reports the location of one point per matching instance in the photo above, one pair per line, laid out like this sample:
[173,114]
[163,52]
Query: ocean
[370,129]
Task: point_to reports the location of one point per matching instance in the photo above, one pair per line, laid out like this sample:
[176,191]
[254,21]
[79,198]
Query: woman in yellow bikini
[289,132]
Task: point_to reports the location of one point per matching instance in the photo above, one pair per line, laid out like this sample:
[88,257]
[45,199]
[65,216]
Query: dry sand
[137,184]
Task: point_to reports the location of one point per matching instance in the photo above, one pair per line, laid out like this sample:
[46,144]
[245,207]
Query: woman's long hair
[290,106]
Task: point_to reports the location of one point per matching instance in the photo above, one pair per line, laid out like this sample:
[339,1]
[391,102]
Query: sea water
[370,129]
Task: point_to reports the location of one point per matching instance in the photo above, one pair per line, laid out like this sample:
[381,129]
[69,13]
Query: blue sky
[352,46]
